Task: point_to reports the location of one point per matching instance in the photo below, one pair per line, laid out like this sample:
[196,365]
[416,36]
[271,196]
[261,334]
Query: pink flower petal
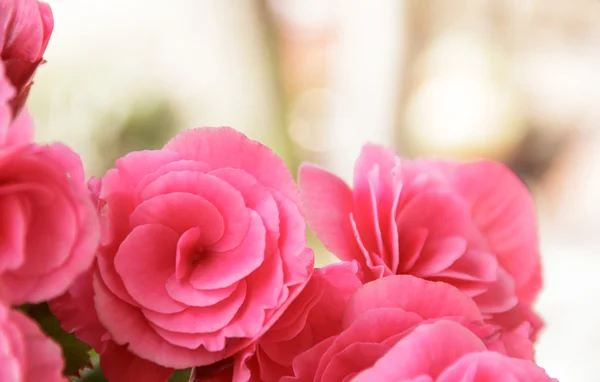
[473,265]
[328,204]
[214,341]
[118,203]
[111,277]
[292,242]
[506,215]
[181,211]
[352,360]
[515,343]
[127,325]
[136,165]
[182,291]
[28,25]
[226,199]
[375,268]
[51,182]
[64,229]
[375,182]
[273,358]
[52,229]
[264,287]
[294,320]
[215,270]
[515,317]
[178,165]
[25,28]
[444,216]
[40,287]
[145,261]
[499,297]
[427,350]
[25,351]
[187,252]
[19,132]
[371,327]
[215,147]
[68,164]
[13,225]
[374,187]
[263,366]
[468,287]
[257,198]
[407,292]
[393,259]
[305,365]
[437,257]
[487,366]
[201,319]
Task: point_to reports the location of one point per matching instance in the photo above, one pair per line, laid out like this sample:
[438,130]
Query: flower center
[188,253]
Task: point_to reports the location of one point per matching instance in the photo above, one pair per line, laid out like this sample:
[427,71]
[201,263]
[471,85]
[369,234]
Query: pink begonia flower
[203,248]
[76,313]
[471,225]
[403,328]
[25,29]
[49,225]
[26,354]
[12,132]
[316,314]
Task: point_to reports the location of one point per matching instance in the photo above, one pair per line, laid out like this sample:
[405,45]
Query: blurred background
[513,80]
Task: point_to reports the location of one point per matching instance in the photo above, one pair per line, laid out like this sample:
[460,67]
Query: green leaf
[181,375]
[75,352]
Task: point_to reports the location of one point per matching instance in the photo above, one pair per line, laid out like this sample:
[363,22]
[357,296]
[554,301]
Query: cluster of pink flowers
[48,229]
[195,257]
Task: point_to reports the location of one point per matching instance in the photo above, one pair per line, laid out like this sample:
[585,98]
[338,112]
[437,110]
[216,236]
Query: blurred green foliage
[149,125]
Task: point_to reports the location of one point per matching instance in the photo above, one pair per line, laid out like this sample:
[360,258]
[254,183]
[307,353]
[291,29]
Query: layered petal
[215,145]
[426,351]
[506,216]
[51,218]
[403,328]
[328,202]
[487,366]
[425,298]
[315,315]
